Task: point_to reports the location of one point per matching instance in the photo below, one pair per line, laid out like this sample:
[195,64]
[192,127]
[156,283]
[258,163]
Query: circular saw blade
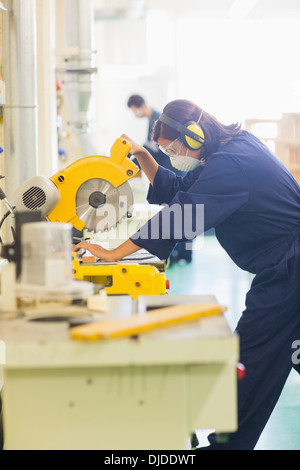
[101,206]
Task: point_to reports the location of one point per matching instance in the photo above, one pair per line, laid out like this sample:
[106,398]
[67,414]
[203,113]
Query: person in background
[140,109]
[253,202]
[138,105]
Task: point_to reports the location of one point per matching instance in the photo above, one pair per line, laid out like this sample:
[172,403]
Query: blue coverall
[253,202]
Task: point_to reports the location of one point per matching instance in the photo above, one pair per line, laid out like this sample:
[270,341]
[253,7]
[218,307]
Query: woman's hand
[135,148]
[111,256]
[96,250]
[145,159]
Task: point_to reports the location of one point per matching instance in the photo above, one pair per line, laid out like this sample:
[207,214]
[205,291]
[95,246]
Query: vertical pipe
[47,122]
[79,80]
[20,76]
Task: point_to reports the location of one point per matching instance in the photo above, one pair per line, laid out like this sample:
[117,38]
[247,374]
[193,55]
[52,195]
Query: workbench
[146,392]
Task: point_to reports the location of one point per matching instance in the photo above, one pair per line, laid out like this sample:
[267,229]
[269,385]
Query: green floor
[213,272]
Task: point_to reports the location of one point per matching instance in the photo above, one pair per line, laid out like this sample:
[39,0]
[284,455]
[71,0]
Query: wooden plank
[137,324]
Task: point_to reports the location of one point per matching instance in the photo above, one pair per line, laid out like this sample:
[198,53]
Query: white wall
[240,69]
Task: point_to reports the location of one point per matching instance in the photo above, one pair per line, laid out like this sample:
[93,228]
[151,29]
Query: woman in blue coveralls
[253,202]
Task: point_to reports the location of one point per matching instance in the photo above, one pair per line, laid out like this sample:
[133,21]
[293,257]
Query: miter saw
[94,194]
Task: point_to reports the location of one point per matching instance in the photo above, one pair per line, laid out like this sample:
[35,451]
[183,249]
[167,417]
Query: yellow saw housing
[122,278]
[116,169]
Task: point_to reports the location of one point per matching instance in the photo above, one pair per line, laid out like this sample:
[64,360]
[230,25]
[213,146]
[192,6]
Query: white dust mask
[184,163]
[179,161]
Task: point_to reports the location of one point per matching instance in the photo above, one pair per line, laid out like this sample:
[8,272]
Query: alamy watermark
[296,353]
[175,222]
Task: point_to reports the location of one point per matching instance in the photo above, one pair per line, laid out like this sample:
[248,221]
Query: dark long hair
[216,134]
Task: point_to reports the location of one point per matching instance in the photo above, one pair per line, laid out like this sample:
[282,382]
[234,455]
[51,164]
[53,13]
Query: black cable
[2,222]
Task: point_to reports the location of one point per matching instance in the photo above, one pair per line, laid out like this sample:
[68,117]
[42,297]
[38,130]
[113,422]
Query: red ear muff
[191,133]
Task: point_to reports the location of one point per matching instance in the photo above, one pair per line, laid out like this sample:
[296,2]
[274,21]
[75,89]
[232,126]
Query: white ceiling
[264,9]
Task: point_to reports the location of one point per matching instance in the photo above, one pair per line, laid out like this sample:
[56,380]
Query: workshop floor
[213,272]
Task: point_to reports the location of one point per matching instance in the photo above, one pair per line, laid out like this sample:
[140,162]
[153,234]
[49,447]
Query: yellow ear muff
[191,133]
[189,141]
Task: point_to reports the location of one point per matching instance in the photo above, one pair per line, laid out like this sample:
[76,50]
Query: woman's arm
[126,249]
[167,184]
[145,159]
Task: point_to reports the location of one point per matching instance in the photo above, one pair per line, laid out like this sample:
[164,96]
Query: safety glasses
[173,149]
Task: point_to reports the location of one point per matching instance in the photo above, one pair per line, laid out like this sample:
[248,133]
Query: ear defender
[191,133]
[192,142]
